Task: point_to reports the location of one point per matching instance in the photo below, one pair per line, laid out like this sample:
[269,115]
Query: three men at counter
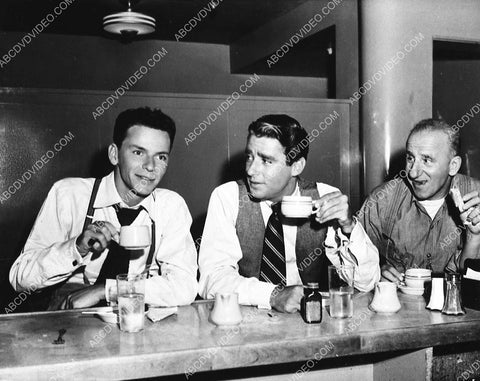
[247,246]
[72,244]
[235,257]
[412,220]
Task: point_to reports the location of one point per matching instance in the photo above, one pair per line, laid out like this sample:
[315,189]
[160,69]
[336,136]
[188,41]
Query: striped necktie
[273,268]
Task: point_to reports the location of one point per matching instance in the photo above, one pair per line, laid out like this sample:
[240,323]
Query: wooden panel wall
[32,121]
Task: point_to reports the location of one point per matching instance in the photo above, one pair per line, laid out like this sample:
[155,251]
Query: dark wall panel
[32,122]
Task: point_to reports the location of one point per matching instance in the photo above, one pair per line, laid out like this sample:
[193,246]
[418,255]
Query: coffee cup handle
[314,211]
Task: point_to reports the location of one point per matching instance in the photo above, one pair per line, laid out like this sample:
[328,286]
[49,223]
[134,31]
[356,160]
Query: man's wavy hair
[286,130]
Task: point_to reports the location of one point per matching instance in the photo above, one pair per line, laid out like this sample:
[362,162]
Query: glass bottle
[311,304]
[453,300]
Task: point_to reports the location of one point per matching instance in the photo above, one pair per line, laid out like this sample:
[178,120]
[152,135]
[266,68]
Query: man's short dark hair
[442,126]
[286,130]
[143,116]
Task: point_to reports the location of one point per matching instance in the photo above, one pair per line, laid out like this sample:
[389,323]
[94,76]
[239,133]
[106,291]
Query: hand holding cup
[334,206]
[96,237]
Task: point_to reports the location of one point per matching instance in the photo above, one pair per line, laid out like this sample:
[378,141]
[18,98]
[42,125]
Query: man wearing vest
[74,241]
[413,220]
[248,249]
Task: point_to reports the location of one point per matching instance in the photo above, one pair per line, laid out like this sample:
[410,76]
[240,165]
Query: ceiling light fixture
[129,24]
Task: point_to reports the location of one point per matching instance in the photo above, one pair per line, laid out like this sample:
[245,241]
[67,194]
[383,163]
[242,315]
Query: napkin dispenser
[470,288]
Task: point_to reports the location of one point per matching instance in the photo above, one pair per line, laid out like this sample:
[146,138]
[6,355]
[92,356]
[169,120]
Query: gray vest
[309,250]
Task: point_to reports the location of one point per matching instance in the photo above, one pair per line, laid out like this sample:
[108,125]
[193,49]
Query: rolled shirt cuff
[110,290]
[261,298]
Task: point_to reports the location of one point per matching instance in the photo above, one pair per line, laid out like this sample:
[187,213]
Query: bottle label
[313,312]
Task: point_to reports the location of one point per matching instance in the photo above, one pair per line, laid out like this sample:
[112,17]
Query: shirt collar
[108,195]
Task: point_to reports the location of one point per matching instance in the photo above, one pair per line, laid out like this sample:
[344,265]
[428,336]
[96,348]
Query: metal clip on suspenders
[89,218]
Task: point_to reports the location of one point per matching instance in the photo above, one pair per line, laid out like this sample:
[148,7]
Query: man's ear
[298,166]
[113,153]
[454,166]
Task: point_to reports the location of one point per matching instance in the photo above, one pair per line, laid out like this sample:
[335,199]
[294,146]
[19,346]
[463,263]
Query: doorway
[456,96]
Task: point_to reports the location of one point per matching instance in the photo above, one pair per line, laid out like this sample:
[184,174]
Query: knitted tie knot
[126,216]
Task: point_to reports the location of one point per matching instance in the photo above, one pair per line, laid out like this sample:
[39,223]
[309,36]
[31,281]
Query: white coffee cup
[134,237]
[297,206]
[416,277]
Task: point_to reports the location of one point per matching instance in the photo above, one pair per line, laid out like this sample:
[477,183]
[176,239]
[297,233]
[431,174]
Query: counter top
[187,342]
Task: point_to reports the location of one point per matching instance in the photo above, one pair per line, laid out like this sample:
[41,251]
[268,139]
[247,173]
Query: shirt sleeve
[220,252]
[369,218]
[176,257]
[357,250]
[50,254]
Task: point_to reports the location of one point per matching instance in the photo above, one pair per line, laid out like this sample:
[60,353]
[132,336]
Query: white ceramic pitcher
[385,300]
[226,310]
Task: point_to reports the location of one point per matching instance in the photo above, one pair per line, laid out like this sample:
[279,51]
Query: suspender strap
[151,252]
[89,216]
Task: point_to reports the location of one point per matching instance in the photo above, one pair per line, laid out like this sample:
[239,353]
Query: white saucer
[411,290]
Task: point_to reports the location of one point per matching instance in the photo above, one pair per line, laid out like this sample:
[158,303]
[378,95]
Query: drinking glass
[131,301]
[340,287]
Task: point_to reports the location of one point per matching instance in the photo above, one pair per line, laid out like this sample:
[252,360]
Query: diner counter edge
[188,343]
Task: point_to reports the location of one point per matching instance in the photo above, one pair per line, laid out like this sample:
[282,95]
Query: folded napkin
[158,313]
[470,289]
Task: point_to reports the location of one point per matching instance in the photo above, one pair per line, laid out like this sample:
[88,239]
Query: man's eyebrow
[144,149]
[266,157]
[136,146]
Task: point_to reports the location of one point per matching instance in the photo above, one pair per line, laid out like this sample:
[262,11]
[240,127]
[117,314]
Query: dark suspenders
[89,216]
[89,219]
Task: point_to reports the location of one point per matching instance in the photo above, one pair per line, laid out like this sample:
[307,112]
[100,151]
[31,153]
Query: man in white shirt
[231,257]
[69,246]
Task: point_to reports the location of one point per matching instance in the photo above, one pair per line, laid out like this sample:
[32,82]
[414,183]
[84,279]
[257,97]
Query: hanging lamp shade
[129,23]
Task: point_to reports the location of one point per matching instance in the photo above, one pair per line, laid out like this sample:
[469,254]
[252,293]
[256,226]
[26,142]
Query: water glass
[340,287]
[131,301]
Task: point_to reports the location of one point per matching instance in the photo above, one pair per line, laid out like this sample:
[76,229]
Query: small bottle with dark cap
[311,304]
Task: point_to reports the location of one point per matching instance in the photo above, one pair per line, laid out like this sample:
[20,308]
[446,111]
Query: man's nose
[149,163]
[251,168]
[414,169]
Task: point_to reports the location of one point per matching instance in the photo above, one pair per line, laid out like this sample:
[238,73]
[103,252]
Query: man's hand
[96,237]
[86,297]
[391,274]
[334,206]
[471,212]
[286,299]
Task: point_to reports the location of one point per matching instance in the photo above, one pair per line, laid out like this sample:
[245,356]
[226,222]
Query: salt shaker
[437,299]
[311,304]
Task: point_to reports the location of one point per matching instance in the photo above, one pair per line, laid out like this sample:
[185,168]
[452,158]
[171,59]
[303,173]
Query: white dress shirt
[50,254]
[220,250]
